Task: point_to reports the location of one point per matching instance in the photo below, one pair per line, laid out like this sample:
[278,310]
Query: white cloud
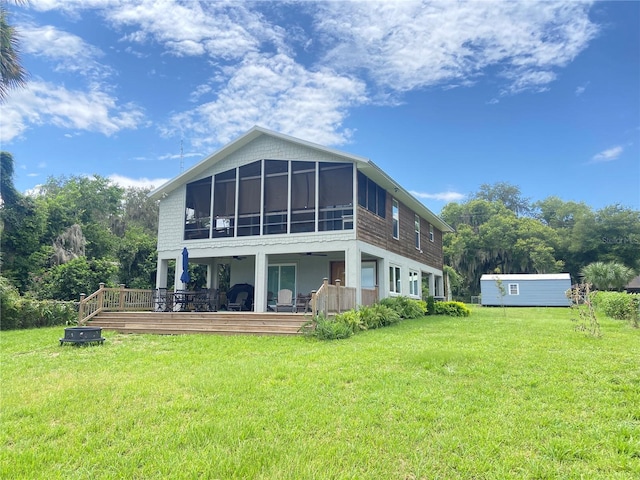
[410,45]
[175,156]
[402,45]
[44,103]
[126,182]
[448,196]
[276,93]
[260,77]
[581,89]
[608,155]
[70,52]
[218,29]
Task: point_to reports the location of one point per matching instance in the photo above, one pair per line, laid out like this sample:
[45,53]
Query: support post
[338,294]
[101,296]
[81,308]
[121,299]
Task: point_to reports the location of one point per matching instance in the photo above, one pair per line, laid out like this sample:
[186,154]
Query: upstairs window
[371,196]
[276,188]
[197,222]
[335,196]
[430,233]
[224,204]
[396,219]
[249,199]
[417,231]
[303,197]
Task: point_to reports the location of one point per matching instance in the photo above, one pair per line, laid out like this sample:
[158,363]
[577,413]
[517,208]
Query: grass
[520,396]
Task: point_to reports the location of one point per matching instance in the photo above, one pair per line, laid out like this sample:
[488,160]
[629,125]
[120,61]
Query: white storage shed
[526,290]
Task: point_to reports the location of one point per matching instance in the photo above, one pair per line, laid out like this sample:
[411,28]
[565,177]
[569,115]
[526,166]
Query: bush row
[388,311]
[18,312]
[618,305]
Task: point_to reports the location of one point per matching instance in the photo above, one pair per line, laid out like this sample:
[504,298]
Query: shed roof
[635,283]
[363,164]
[525,276]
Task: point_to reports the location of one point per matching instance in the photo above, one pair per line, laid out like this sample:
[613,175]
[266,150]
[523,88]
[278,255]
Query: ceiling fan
[238,257]
[313,254]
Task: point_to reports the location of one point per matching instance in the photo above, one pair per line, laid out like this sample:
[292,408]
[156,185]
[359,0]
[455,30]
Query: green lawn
[502,394]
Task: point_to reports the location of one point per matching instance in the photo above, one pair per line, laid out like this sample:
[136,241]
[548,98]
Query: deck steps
[221,323]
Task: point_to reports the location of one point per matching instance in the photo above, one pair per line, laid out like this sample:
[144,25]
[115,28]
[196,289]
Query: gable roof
[363,164]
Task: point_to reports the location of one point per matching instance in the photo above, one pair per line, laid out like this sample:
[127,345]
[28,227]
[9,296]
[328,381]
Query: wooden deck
[220,323]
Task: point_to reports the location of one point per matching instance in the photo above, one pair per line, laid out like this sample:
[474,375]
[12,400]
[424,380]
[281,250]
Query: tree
[490,236]
[608,276]
[23,226]
[12,74]
[93,203]
[8,192]
[141,210]
[68,281]
[506,194]
[138,258]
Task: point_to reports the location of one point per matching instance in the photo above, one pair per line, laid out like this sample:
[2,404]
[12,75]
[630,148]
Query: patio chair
[161,300]
[201,300]
[285,301]
[303,303]
[239,302]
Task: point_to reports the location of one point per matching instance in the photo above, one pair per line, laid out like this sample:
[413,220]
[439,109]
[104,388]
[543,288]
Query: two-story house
[285,213]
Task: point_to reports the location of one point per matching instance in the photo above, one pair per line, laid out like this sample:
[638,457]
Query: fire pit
[82,336]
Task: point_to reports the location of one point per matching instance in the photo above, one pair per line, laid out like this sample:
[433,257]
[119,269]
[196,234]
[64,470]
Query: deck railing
[369,296]
[114,299]
[331,299]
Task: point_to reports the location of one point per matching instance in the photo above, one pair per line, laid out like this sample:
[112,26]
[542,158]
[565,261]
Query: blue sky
[444,96]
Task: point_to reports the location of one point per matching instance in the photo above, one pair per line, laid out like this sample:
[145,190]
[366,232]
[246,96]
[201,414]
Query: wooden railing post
[338,293]
[325,293]
[81,308]
[314,303]
[101,296]
[121,299]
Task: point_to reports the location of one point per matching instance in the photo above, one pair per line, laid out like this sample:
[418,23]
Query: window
[368,275]
[197,221]
[430,232]
[514,289]
[395,282]
[396,219]
[417,231]
[224,204]
[276,188]
[371,196]
[254,199]
[249,199]
[414,283]
[279,277]
[303,197]
[335,196]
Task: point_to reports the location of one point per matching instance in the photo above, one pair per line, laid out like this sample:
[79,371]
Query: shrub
[351,319]
[378,315]
[618,305]
[324,328]
[452,309]
[406,307]
[18,312]
[431,305]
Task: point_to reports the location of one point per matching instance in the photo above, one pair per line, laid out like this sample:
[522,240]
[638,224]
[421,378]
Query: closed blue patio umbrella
[185,277]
